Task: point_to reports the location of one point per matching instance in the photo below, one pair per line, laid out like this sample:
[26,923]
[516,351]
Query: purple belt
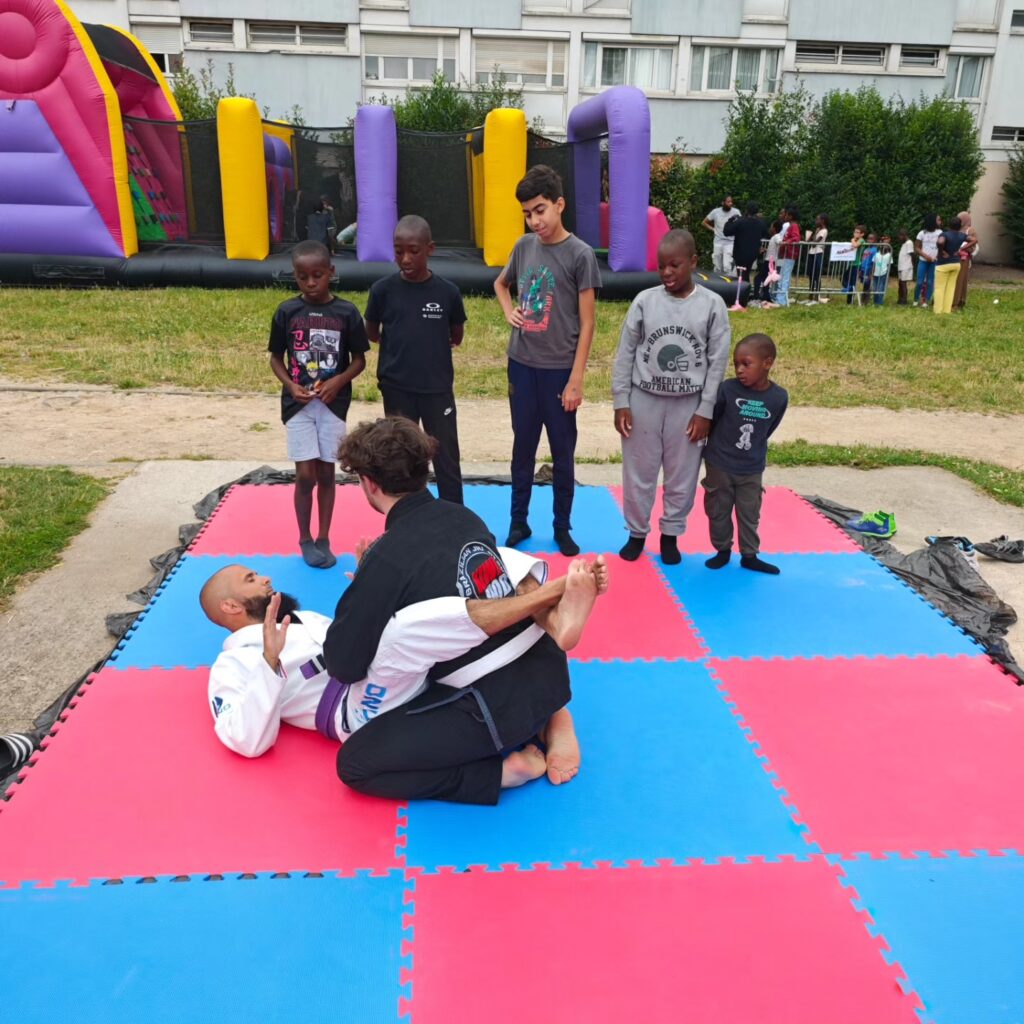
[334,693]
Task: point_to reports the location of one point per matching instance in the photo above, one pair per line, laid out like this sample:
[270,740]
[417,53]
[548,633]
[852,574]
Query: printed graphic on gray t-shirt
[547,280]
[672,346]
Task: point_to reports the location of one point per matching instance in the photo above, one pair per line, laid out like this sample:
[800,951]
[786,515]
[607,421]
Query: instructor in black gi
[460,739]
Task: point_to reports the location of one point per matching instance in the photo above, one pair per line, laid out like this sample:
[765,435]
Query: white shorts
[314,432]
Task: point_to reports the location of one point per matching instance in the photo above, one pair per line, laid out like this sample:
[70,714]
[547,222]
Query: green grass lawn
[830,355]
[40,511]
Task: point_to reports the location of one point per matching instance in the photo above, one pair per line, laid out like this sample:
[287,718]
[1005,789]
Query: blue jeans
[878,285]
[785,273]
[925,281]
[533,398]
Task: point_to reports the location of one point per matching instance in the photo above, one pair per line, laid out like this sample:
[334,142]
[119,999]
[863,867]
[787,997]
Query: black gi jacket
[429,549]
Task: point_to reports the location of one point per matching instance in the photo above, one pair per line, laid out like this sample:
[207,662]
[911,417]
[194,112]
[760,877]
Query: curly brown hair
[392,452]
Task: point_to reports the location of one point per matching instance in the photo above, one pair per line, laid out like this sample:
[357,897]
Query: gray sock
[311,554]
[324,547]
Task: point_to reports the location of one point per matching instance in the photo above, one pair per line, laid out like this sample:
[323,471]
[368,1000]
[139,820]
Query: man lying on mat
[479,725]
[271,669]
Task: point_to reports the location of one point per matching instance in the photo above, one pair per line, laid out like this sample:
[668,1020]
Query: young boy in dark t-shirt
[418,318]
[748,411]
[316,349]
[556,277]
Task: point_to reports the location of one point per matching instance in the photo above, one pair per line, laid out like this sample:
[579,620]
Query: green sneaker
[875,524]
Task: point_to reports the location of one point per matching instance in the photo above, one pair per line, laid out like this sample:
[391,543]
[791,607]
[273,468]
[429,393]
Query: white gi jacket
[249,700]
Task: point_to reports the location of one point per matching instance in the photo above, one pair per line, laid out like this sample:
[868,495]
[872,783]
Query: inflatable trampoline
[102,182]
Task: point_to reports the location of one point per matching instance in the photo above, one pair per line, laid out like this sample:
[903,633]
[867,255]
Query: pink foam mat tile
[789,525]
[881,754]
[136,783]
[259,519]
[638,618]
[706,944]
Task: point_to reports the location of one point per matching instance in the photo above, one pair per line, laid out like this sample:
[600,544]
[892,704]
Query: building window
[211,32]
[725,68]
[606,6]
[919,56]
[545,5]
[647,67]
[1004,133]
[408,58]
[963,77]
[850,54]
[287,33]
[521,61]
[1017,20]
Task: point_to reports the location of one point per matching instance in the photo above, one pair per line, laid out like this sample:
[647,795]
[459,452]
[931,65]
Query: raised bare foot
[599,567]
[575,604]
[563,758]
[522,766]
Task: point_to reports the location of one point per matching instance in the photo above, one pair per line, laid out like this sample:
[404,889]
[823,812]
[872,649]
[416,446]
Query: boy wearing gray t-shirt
[555,277]
[669,365]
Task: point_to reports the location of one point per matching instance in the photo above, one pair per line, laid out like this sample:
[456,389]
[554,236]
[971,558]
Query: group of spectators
[771,255]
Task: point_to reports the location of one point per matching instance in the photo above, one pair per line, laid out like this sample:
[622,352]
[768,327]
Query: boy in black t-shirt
[316,348]
[418,318]
[748,410]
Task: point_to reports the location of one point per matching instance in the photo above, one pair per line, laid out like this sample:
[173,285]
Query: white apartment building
[689,56]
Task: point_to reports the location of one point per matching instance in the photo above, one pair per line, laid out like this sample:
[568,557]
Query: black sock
[717,561]
[569,547]
[670,550]
[632,549]
[517,533]
[755,563]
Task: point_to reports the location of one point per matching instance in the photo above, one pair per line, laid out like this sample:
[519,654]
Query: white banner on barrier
[842,252]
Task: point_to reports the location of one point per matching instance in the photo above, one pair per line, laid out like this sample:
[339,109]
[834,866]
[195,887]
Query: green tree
[1012,214]
[197,95]
[445,106]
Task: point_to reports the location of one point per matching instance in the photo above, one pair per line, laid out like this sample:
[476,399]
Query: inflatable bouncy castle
[102,182]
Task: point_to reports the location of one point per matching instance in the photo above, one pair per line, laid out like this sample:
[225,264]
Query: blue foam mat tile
[238,950]
[173,632]
[825,605]
[666,774]
[597,523]
[955,925]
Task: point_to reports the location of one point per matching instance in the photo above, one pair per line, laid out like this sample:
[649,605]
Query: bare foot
[599,567]
[563,760]
[575,604]
[522,766]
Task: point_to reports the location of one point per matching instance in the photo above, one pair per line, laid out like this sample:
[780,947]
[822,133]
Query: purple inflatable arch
[624,114]
[376,145]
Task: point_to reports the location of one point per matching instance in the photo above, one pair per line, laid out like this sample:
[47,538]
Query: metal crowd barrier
[837,271]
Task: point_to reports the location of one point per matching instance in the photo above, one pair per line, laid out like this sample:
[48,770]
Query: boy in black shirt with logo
[418,318]
[316,348]
[748,410]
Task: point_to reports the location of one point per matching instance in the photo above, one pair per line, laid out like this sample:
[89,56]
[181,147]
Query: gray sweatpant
[658,439]
[724,491]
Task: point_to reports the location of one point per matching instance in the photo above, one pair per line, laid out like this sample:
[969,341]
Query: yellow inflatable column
[243,179]
[504,165]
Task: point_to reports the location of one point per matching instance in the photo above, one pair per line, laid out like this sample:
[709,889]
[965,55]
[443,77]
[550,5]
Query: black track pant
[454,751]
[437,414]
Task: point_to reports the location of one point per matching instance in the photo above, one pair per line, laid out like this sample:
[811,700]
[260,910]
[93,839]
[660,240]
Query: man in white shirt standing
[715,222]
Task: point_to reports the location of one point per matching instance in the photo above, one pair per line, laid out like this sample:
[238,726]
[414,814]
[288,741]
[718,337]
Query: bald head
[231,597]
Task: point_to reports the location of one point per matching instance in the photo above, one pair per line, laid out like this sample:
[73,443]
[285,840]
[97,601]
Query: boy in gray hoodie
[670,362]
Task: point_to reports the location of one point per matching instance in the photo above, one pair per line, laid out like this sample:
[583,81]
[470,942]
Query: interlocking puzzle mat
[799,801]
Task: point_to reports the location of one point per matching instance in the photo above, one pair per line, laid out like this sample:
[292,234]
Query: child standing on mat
[748,411]
[556,278]
[418,318]
[668,368]
[316,349]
